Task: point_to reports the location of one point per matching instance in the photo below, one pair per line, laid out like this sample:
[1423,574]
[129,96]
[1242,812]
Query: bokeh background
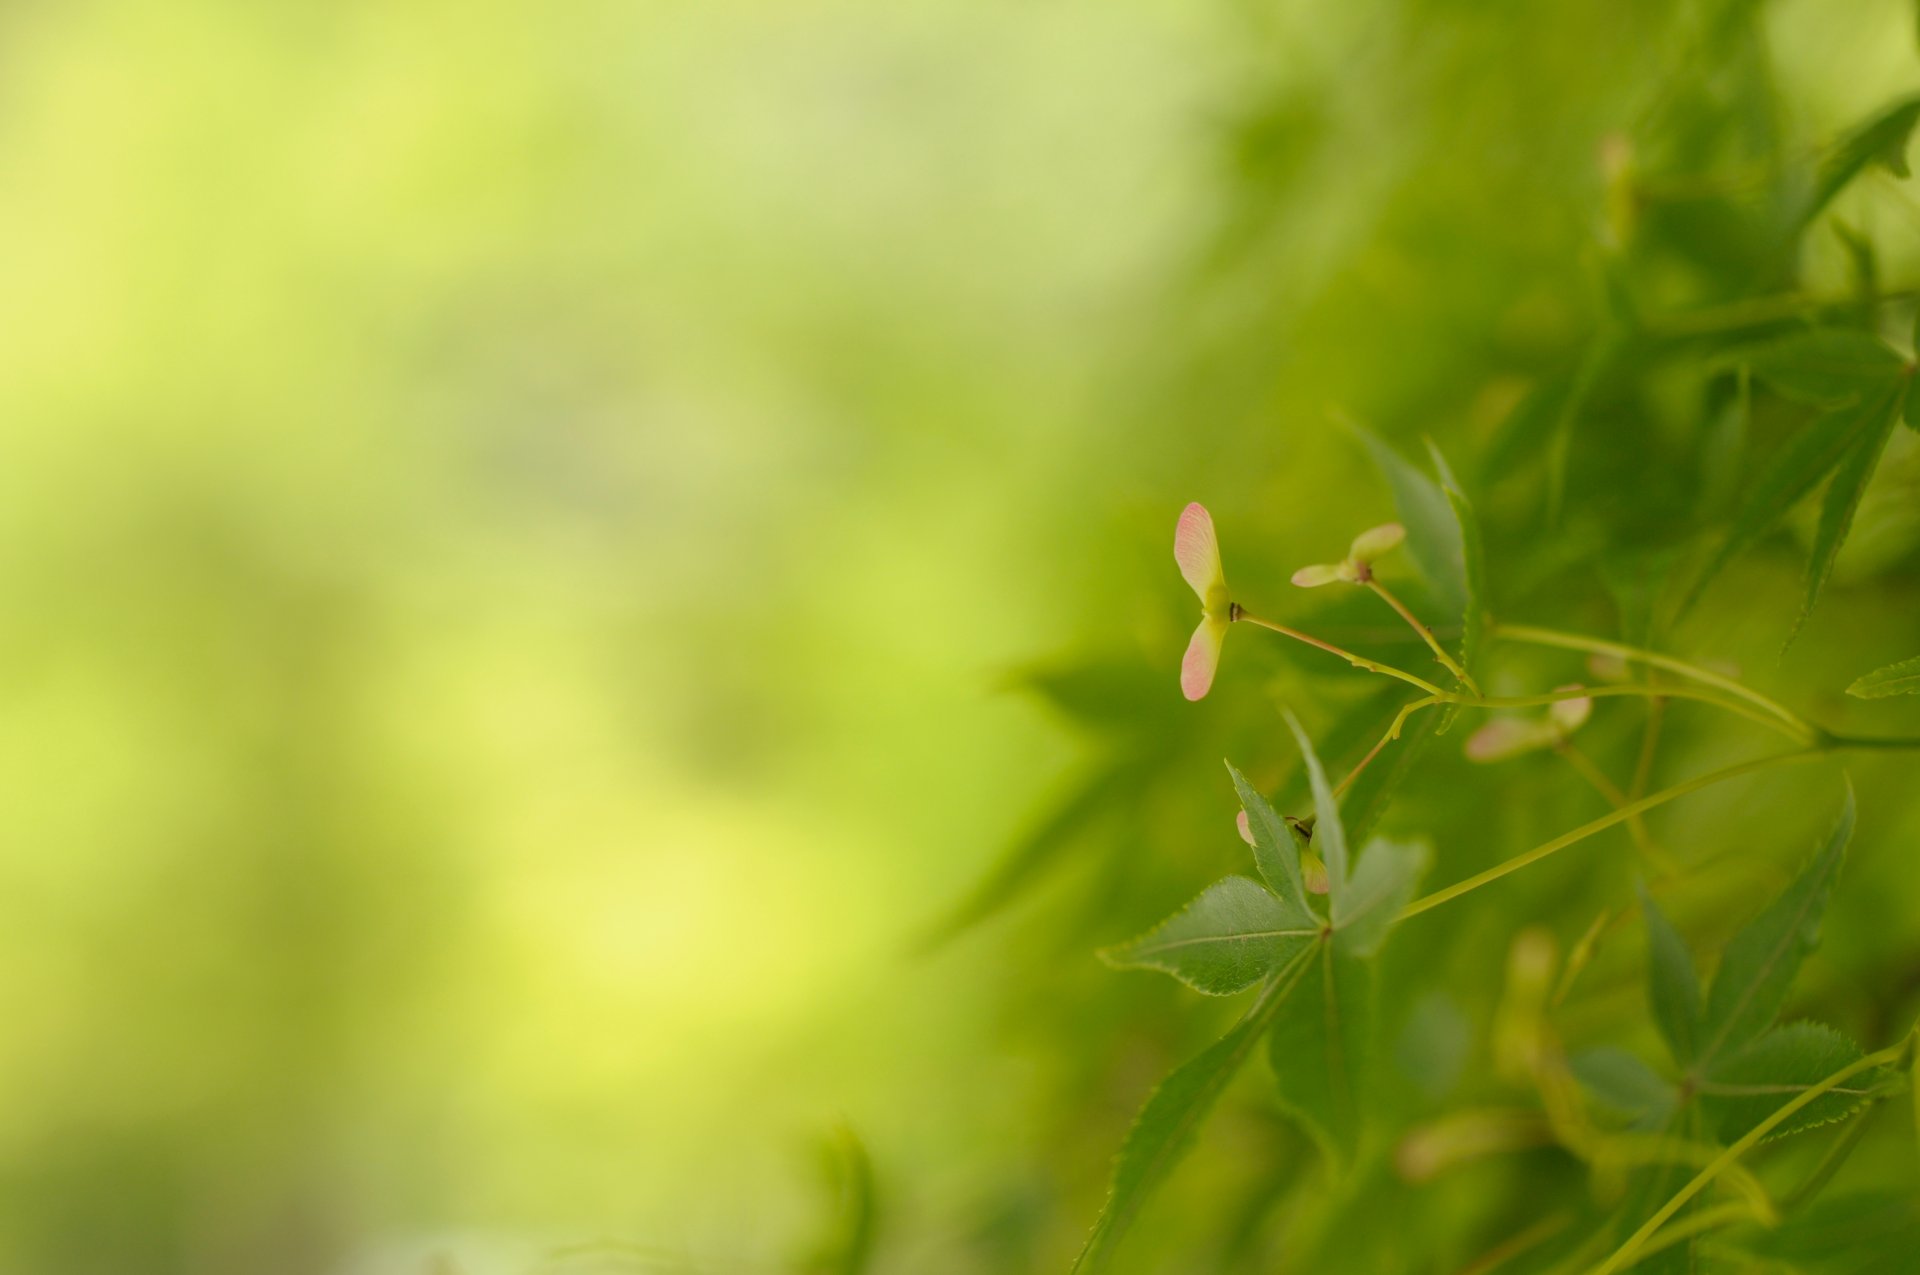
[529,536]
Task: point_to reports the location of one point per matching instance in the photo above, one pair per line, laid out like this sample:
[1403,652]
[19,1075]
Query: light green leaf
[1329,837]
[1794,471]
[1620,1082]
[1166,1126]
[1843,499]
[1895,679]
[1673,989]
[1433,534]
[1827,367]
[1881,139]
[1229,938]
[1762,960]
[1745,1087]
[1319,1048]
[1274,852]
[1383,881]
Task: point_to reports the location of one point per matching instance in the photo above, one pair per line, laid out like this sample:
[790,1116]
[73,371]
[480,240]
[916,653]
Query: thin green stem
[1426,635]
[1801,734]
[1631,1250]
[1535,636]
[1601,824]
[1393,733]
[1636,826]
[1856,741]
[1358,661]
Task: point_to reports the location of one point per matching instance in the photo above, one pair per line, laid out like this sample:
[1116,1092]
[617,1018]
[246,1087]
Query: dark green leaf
[1166,1125]
[1895,679]
[1329,837]
[1229,938]
[1433,534]
[845,1243]
[1843,500]
[1827,366]
[1794,471]
[1620,1082]
[1383,881]
[1882,139]
[1762,960]
[1867,1233]
[1274,851]
[1745,1087]
[1319,1048]
[1673,989]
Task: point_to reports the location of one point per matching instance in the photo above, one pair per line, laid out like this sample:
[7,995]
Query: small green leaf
[1166,1126]
[1274,852]
[1747,1086]
[1794,471]
[1329,837]
[1620,1082]
[1869,1230]
[1895,679]
[1827,367]
[1881,139]
[1843,500]
[1673,989]
[1319,1048]
[1762,960]
[1433,534]
[1229,938]
[1383,881]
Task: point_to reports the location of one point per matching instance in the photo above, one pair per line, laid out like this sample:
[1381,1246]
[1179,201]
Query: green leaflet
[1747,1086]
[1473,559]
[1329,837]
[1166,1125]
[1873,1232]
[1673,989]
[1827,367]
[1794,471]
[1274,852]
[1382,883]
[1762,960]
[1229,938]
[1320,1048]
[1620,1082]
[1881,139]
[844,1245]
[1895,679]
[1433,534]
[1843,498]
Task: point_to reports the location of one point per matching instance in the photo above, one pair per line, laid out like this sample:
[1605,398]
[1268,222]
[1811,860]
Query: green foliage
[1231,937]
[1673,989]
[1902,678]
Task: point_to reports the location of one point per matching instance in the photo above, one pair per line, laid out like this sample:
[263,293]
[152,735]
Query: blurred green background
[523,528]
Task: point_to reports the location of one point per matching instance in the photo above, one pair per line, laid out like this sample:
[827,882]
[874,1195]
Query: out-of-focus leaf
[1329,836]
[1673,989]
[1369,796]
[1229,938]
[1865,1233]
[1274,851]
[1166,1126]
[1319,1048]
[1827,366]
[1433,533]
[1383,881]
[1842,500]
[845,1244]
[1620,1082]
[1101,694]
[1762,960]
[1895,679]
[1745,1087]
[1881,139]
[1794,471]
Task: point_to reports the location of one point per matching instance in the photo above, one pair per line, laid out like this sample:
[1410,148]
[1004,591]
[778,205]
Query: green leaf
[1433,533]
[1762,960]
[1229,938]
[1620,1082]
[1827,367]
[1843,500]
[1383,881]
[1165,1128]
[844,1245]
[1274,852]
[1329,837]
[1868,1231]
[1673,989]
[1319,1048]
[1794,471]
[1747,1086]
[1882,139]
[1895,679]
